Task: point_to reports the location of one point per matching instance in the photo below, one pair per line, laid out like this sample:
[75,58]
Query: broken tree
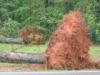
[69,45]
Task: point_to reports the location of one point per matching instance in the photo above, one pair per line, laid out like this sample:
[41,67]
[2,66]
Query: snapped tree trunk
[14,57]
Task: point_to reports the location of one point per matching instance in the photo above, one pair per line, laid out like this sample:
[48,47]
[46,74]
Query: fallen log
[14,57]
[11,40]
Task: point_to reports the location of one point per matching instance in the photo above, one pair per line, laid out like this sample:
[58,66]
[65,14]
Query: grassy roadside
[14,67]
[22,48]
[94,50]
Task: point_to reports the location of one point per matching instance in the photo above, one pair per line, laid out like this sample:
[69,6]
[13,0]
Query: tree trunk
[11,40]
[46,3]
[22,58]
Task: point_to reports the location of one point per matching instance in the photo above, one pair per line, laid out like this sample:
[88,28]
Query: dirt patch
[23,67]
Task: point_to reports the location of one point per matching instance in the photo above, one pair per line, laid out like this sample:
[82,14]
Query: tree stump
[69,45]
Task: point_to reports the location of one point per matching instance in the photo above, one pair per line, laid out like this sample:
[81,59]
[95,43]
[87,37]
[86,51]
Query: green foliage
[46,19]
[49,22]
[98,36]
[90,9]
[91,18]
[11,28]
[52,16]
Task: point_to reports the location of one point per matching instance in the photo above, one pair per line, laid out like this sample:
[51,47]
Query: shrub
[11,28]
[98,36]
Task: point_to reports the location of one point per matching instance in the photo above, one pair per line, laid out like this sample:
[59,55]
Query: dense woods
[46,15]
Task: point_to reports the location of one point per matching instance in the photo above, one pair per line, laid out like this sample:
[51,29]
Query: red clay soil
[69,45]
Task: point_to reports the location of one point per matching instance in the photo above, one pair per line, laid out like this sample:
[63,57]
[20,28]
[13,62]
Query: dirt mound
[69,45]
[31,35]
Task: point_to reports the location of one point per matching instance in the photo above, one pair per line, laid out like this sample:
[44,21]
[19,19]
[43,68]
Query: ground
[12,67]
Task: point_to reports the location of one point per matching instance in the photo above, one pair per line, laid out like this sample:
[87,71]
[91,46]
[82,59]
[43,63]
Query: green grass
[95,51]
[22,48]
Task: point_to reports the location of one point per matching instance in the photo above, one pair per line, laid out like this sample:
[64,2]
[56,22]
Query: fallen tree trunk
[11,40]
[14,57]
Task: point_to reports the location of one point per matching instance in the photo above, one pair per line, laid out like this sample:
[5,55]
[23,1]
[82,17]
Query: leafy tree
[46,15]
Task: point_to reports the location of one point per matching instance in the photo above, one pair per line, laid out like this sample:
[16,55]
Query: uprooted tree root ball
[31,35]
[69,45]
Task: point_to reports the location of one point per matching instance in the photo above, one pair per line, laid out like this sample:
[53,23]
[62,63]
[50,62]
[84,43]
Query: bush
[50,21]
[98,36]
[11,28]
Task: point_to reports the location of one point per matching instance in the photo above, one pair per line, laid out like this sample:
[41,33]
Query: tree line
[46,16]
